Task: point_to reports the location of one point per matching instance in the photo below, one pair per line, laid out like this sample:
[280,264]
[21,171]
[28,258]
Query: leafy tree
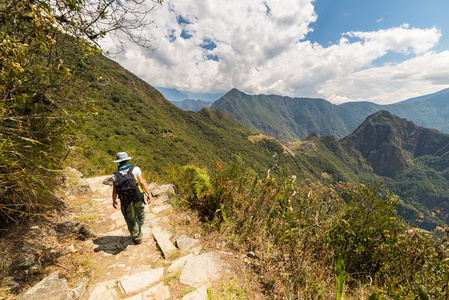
[40,96]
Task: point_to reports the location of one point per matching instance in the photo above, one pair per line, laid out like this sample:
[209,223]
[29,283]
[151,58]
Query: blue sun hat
[122,156]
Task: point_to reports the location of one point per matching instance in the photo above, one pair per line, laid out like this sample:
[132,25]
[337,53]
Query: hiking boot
[137,242]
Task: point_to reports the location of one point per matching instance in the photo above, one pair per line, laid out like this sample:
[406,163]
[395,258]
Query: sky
[382,51]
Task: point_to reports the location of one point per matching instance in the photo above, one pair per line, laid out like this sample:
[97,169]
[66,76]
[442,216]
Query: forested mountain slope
[283,117]
[412,161]
[134,117]
[292,118]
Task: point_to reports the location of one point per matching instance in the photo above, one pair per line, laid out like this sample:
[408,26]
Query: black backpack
[128,187]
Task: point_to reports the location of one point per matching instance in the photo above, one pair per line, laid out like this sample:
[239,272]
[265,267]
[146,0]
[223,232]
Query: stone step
[139,282]
[162,237]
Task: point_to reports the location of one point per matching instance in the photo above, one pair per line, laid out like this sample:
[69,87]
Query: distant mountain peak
[234,92]
[390,143]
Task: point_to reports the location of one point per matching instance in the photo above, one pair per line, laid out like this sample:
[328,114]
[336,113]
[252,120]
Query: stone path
[137,272]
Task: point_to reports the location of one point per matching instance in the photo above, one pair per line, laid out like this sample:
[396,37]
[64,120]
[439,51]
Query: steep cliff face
[390,143]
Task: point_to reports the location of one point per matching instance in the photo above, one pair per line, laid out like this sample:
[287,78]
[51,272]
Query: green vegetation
[312,211]
[172,277]
[303,230]
[40,98]
[134,117]
[283,117]
[228,289]
[292,118]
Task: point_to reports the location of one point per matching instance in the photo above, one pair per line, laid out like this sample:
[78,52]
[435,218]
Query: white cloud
[388,84]
[401,39]
[261,48]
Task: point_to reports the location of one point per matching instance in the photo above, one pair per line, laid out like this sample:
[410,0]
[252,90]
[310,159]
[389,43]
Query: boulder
[184,243]
[108,181]
[164,188]
[202,270]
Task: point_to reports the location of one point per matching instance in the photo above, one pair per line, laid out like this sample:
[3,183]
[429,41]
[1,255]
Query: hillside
[160,135]
[390,144]
[411,160]
[134,117]
[431,111]
[283,117]
[294,118]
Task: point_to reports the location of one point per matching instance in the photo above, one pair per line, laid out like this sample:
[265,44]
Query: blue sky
[340,50]
[338,16]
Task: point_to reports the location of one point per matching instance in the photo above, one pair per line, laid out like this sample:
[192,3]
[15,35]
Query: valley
[255,196]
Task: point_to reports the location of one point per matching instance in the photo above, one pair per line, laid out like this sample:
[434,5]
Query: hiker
[132,209]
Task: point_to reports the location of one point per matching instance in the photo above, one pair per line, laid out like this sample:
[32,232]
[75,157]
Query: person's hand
[148,199]
[114,204]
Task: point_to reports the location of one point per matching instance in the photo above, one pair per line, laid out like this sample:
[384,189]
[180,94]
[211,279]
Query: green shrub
[298,228]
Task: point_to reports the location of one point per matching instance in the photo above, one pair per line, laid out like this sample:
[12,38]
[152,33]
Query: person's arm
[143,183]
[114,197]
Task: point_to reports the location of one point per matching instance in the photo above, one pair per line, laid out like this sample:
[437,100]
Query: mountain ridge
[292,119]
[134,117]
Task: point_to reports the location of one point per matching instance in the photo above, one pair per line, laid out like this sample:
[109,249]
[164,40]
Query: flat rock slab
[140,281]
[152,185]
[103,200]
[103,291]
[120,223]
[162,238]
[159,209]
[117,215]
[199,294]
[146,232]
[149,215]
[159,292]
[97,182]
[154,222]
[51,287]
[202,270]
[164,188]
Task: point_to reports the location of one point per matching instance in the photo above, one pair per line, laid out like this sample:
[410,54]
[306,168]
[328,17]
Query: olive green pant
[134,216]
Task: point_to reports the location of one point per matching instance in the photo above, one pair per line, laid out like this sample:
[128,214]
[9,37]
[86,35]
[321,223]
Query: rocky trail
[174,261]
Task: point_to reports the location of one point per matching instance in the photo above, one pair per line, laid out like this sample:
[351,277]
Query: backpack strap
[139,186]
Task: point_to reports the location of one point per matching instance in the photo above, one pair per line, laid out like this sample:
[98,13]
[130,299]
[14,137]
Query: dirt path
[174,261]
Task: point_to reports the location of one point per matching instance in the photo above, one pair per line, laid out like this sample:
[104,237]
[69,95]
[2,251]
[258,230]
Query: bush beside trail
[300,231]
